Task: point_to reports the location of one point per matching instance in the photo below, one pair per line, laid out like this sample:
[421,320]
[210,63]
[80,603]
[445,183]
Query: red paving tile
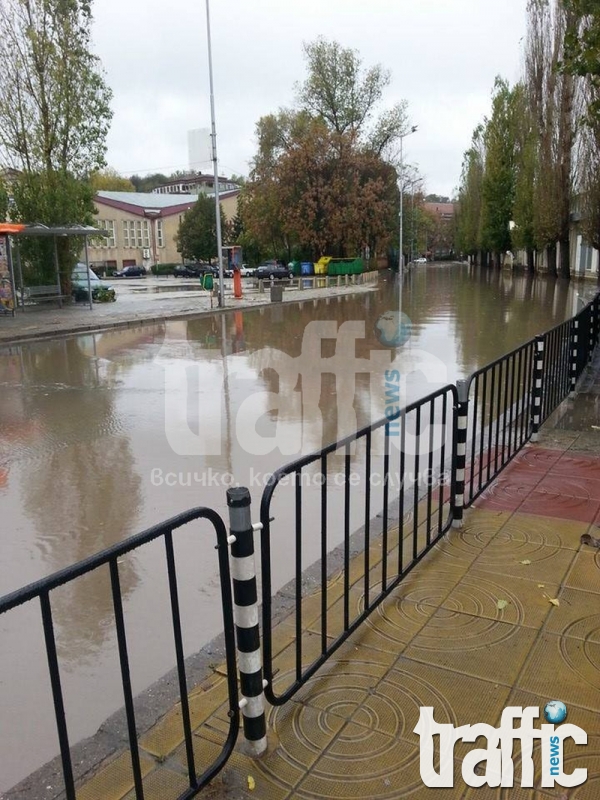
[544,504]
[540,458]
[578,466]
[571,486]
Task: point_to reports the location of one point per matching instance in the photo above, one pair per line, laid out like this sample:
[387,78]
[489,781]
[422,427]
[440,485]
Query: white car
[247,272]
[420,260]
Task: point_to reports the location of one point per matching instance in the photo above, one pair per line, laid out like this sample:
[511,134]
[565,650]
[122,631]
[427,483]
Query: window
[109,226]
[138,229]
[126,233]
[146,232]
[159,233]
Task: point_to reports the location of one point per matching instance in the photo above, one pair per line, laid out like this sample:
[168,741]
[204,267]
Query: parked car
[130,272]
[420,260]
[272,270]
[101,291]
[187,271]
[246,271]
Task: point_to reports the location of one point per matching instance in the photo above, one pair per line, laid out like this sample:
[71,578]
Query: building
[195,183]
[142,227]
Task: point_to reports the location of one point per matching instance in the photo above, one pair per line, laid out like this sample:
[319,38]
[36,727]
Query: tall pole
[400,254]
[213,137]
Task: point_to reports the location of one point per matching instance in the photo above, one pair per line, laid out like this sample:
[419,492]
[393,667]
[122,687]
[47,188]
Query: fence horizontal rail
[409,454]
[41,590]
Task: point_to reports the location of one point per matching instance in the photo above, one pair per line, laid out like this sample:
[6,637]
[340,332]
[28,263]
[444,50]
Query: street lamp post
[400,253]
[213,137]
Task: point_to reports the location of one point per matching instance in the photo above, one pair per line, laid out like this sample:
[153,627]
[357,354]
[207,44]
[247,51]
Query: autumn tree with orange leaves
[324,180]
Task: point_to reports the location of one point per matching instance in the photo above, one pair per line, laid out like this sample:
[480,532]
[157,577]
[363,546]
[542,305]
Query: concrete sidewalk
[146,301]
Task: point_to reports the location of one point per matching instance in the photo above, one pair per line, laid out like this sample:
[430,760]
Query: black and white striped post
[593,327]
[245,598]
[460,456]
[574,352]
[538,376]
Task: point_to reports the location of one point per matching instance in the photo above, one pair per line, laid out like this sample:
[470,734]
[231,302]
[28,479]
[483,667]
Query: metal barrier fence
[499,422]
[109,558]
[417,441]
[486,421]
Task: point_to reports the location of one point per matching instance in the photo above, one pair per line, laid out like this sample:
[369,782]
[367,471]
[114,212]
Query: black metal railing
[499,421]
[497,410]
[557,360]
[41,590]
[402,462]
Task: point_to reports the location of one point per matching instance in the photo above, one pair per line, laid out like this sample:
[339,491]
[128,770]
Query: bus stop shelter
[10,268]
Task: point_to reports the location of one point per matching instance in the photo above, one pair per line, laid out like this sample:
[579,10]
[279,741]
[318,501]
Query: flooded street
[104,435]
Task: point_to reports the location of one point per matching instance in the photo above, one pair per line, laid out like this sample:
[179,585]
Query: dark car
[130,272]
[187,271]
[272,270]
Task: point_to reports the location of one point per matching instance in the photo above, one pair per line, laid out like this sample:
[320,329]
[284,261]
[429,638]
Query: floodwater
[104,435]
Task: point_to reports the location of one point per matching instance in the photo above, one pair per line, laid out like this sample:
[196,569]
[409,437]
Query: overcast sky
[443,55]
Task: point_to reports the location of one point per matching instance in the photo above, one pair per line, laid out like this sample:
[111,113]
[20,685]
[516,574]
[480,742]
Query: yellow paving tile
[578,616]
[479,591]
[547,531]
[207,745]
[585,572]
[564,666]
[168,734]
[504,556]
[363,763]
[483,648]
[162,784]
[115,780]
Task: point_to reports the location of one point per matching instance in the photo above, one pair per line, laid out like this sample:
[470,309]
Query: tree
[197,234]
[323,180]
[149,182]
[54,113]
[109,180]
[498,185]
[468,219]
[345,96]
[581,54]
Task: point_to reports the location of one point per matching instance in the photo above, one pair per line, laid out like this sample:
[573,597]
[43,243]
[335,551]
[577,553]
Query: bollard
[538,375]
[460,456]
[574,353]
[245,597]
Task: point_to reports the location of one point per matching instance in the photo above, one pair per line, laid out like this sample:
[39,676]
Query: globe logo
[393,329]
[555,711]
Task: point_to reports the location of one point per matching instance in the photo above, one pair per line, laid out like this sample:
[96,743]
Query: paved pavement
[149,300]
[503,612]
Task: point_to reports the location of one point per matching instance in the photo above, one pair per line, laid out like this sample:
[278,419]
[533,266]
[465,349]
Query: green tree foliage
[54,113]
[498,187]
[148,182]
[468,219]
[197,234]
[109,180]
[3,202]
[322,180]
[582,49]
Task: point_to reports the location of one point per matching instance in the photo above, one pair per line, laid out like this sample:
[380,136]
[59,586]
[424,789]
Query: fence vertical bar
[593,325]
[574,352]
[245,597]
[460,453]
[538,375]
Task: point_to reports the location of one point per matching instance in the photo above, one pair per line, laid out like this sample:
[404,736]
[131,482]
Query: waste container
[307,268]
[276,293]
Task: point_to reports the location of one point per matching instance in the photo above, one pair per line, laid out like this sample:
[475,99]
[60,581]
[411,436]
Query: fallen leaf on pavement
[552,600]
[501,604]
[527,562]
[251,783]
